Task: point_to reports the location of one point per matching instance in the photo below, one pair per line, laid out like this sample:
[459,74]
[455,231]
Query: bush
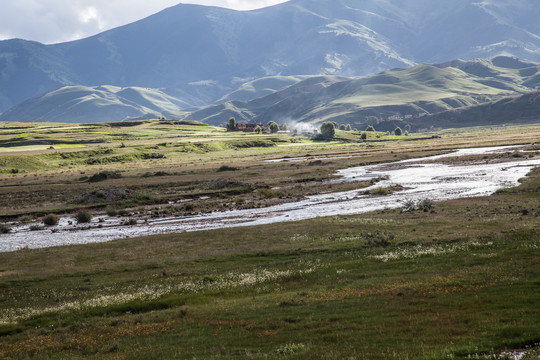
[104,175]
[425,205]
[51,219]
[112,212]
[83,216]
[380,191]
[409,205]
[370,128]
[4,229]
[226,168]
[398,131]
[131,221]
[268,193]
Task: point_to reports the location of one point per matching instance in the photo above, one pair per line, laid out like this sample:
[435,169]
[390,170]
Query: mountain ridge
[204,52]
[400,93]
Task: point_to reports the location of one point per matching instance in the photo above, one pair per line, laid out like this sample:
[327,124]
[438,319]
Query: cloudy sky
[52,21]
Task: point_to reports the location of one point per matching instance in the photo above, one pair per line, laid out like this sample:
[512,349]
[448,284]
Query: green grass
[457,281]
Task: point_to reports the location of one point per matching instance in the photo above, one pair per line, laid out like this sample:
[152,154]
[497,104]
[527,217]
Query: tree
[258,130]
[328,130]
[370,128]
[232,124]
[398,131]
[348,127]
[273,126]
[342,127]
[363,136]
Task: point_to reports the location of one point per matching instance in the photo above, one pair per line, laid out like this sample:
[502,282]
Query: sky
[53,21]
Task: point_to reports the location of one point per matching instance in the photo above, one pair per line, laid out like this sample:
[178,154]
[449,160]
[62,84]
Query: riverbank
[419,179]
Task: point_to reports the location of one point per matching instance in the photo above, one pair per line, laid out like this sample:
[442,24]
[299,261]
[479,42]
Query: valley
[287,288]
[318,179]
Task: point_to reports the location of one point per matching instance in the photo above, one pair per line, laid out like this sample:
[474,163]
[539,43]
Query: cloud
[52,21]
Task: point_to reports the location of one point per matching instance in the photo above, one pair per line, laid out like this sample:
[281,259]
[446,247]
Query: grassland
[459,281]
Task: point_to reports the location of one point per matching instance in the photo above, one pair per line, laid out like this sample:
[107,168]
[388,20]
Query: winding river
[420,178]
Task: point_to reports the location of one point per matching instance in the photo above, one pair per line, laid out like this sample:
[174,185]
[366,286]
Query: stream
[420,178]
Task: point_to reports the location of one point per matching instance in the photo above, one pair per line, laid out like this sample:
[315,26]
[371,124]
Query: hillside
[81,104]
[391,95]
[207,52]
[520,109]
[396,96]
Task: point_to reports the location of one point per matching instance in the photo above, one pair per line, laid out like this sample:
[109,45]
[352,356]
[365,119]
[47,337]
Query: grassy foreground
[458,282]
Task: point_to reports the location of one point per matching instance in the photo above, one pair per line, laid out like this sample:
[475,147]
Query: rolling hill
[82,104]
[383,99]
[200,54]
[516,109]
[402,93]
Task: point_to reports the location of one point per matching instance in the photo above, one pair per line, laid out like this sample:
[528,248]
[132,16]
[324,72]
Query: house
[249,127]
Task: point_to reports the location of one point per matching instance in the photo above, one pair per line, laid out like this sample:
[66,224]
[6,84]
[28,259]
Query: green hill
[395,95]
[517,109]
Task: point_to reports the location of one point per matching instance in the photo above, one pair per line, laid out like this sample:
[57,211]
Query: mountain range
[384,99]
[191,56]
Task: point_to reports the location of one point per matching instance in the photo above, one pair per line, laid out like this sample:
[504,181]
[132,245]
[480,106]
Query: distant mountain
[397,94]
[205,53]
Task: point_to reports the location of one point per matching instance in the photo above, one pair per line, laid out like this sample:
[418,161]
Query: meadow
[457,281]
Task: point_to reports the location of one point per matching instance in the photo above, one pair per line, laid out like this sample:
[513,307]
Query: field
[458,281]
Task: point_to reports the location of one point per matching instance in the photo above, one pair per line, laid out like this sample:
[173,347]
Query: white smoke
[302,128]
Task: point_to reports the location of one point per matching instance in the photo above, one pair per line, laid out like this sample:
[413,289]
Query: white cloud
[51,21]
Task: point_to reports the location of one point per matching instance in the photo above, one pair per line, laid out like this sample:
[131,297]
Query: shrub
[409,205]
[398,131]
[380,191]
[104,175]
[226,168]
[4,229]
[268,193]
[131,221]
[425,205]
[290,349]
[83,216]
[51,219]
[363,136]
[112,212]
[370,128]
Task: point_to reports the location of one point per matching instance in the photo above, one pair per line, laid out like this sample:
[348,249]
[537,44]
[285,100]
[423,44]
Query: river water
[421,179]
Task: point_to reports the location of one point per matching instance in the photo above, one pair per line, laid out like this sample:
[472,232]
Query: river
[424,178]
